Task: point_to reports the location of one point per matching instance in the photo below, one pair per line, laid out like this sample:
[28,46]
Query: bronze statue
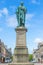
[21,13]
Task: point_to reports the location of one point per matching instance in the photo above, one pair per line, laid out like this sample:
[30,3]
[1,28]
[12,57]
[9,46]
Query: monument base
[21,63]
[20,55]
[21,50]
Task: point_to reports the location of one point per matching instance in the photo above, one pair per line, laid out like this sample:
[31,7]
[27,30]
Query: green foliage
[11,58]
[30,57]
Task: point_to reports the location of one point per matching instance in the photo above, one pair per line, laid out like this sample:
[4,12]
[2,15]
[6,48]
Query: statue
[20,13]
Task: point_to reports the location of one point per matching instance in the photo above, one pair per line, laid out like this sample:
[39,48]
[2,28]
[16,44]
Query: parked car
[7,60]
[34,61]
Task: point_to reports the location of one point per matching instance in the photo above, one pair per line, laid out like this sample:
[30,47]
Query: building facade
[4,52]
[38,53]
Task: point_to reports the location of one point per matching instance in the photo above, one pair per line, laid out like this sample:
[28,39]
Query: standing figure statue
[21,13]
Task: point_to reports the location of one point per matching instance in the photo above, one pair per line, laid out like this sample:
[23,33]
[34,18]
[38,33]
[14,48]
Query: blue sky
[34,22]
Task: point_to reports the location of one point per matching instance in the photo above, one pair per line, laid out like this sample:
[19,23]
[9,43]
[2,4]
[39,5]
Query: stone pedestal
[21,64]
[21,37]
[21,51]
[20,56]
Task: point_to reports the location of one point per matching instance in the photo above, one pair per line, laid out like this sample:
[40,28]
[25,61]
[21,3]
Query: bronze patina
[21,13]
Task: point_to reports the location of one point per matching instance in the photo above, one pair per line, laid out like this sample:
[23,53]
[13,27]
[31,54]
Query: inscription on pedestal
[21,37]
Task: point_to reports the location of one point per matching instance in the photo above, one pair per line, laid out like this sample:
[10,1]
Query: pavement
[38,63]
[34,63]
[3,63]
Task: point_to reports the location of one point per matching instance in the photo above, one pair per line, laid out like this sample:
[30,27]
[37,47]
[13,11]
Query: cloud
[4,11]
[37,40]
[35,1]
[29,17]
[0,15]
[13,8]
[11,21]
[1,29]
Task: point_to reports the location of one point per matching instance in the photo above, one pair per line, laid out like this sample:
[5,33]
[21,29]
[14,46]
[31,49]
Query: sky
[33,22]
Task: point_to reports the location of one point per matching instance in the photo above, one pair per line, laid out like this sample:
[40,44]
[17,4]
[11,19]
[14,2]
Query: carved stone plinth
[21,51]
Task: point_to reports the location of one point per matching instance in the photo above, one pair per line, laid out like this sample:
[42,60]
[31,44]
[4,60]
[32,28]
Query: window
[36,55]
[0,49]
[42,56]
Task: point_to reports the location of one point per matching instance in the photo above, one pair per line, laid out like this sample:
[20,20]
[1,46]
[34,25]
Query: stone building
[38,53]
[8,52]
[4,52]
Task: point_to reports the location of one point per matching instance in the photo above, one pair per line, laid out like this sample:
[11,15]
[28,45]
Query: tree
[11,58]
[30,57]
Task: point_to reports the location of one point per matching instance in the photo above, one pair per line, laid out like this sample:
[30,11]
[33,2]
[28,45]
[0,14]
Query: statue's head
[22,3]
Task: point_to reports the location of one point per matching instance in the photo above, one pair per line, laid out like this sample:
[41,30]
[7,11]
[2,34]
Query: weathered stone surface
[20,54]
[21,50]
[21,64]
[21,36]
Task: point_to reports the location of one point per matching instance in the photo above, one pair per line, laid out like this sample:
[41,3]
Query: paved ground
[3,63]
[38,63]
[34,63]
